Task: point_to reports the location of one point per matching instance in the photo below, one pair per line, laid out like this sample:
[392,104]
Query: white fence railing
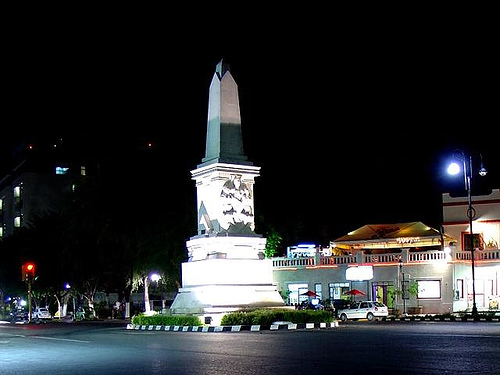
[479,255]
[411,257]
[427,256]
[382,258]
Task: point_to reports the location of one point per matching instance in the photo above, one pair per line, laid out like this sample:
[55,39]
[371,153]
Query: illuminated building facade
[410,267]
[486,237]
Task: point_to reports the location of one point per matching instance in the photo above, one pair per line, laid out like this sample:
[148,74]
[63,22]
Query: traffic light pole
[30,309]
[28,275]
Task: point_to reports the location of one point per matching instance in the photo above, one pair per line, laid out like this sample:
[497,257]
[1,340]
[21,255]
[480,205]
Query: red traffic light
[28,271]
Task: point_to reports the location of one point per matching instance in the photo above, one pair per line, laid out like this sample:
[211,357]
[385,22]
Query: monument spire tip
[221,68]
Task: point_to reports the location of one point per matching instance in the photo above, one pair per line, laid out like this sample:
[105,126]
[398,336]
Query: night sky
[351,117]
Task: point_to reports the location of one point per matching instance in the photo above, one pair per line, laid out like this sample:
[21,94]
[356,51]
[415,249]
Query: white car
[41,313]
[363,310]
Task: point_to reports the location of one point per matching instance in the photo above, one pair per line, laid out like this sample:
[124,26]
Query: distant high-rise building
[40,183]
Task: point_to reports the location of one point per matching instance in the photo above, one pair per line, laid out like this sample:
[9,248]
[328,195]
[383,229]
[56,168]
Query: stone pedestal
[225,274]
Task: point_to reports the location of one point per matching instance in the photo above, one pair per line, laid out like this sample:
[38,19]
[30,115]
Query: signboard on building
[359,273]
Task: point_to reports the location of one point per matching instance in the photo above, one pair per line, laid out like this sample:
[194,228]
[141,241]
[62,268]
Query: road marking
[11,335]
[44,338]
[58,339]
[466,335]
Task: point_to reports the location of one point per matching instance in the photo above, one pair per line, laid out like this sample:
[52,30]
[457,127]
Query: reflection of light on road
[58,339]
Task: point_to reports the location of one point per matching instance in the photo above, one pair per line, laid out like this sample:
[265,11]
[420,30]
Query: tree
[62,296]
[273,243]
[160,249]
[88,288]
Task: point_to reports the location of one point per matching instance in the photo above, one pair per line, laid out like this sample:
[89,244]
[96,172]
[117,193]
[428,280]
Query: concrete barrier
[235,328]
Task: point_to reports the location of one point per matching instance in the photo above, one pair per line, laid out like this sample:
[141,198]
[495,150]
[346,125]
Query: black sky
[351,116]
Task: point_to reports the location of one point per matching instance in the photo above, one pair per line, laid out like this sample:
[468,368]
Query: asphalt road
[353,348]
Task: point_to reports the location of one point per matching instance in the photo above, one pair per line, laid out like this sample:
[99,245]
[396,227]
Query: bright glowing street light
[453,169]
[154,277]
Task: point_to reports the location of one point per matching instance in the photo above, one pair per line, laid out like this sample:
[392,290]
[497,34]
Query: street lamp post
[404,291]
[454,169]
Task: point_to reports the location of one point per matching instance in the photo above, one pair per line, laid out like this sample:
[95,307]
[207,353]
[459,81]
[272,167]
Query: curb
[441,319]
[236,328]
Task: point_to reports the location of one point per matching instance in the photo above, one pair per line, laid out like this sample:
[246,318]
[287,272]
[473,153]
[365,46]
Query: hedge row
[267,317]
[166,320]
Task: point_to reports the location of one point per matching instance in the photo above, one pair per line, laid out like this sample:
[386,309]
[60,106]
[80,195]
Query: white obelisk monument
[226,269]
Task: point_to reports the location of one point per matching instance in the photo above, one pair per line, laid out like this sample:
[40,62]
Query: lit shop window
[62,170]
[17,222]
[429,289]
[318,290]
[336,290]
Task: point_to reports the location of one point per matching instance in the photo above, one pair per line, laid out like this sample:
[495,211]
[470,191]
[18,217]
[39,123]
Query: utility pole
[28,275]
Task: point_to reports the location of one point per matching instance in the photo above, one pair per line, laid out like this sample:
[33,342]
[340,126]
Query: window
[295,293]
[337,290]
[83,171]
[459,292]
[317,290]
[490,290]
[1,205]
[62,170]
[1,231]
[17,191]
[477,238]
[429,289]
[17,221]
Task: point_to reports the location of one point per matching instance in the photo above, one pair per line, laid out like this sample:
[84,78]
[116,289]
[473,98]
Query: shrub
[268,316]
[166,320]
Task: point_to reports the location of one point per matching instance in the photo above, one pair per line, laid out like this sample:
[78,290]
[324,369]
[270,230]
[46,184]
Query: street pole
[29,300]
[471,214]
[403,286]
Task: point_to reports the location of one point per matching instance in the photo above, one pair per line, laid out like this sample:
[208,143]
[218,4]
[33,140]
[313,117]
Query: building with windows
[486,237]
[410,267]
[40,183]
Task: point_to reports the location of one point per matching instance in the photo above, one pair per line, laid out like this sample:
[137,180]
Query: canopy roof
[400,235]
